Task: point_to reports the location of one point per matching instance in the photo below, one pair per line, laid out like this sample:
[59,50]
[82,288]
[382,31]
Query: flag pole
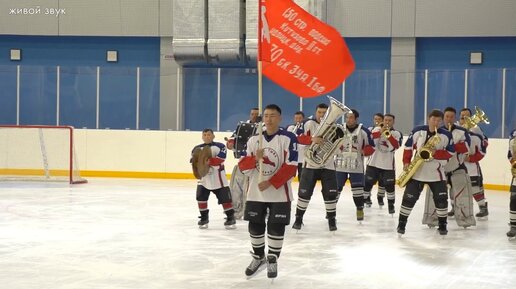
[260,91]
[260,125]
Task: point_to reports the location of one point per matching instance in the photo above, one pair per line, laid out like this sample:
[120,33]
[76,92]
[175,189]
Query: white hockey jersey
[461,143]
[357,144]
[385,148]
[433,170]
[477,151]
[216,177]
[279,166]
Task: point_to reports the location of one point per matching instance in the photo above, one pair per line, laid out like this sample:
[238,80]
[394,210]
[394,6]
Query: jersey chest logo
[270,162]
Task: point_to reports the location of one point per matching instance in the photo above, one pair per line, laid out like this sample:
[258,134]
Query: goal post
[39,152]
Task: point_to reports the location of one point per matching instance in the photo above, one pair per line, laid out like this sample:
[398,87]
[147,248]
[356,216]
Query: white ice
[119,233]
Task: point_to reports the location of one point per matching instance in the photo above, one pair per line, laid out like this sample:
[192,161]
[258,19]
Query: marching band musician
[511,155]
[477,152]
[254,117]
[297,129]
[238,143]
[269,195]
[439,143]
[349,162]
[377,122]
[310,174]
[455,170]
[380,166]
[214,181]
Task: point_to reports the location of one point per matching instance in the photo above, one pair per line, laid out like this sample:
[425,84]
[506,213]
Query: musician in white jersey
[455,166]
[377,122]
[270,194]
[511,155]
[381,165]
[477,151]
[215,181]
[310,174]
[349,161]
[297,128]
[431,172]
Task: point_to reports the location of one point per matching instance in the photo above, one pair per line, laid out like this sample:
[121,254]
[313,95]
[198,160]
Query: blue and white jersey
[279,166]
[385,149]
[433,170]
[216,177]
[356,144]
[297,130]
[477,151]
[461,143]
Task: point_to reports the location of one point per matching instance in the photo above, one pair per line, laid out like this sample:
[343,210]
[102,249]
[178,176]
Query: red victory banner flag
[298,51]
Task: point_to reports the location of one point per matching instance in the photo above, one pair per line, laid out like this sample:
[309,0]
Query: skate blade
[483,218]
[230,227]
[512,238]
[400,235]
[203,227]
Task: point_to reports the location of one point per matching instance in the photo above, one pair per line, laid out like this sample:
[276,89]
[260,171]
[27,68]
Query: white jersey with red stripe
[310,127]
[461,142]
[216,177]
[433,170]
[279,166]
[385,148]
[350,155]
[477,151]
[297,130]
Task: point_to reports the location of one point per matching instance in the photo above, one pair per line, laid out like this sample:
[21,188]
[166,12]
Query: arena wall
[166,154]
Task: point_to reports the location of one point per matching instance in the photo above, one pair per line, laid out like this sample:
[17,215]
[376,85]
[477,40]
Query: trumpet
[387,132]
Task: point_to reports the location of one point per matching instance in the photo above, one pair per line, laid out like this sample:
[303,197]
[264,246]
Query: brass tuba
[331,133]
[424,154]
[478,117]
[200,157]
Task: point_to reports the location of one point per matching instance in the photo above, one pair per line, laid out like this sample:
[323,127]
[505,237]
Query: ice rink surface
[120,233]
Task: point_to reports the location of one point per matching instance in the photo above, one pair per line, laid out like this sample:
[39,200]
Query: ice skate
[298,223]
[443,231]
[380,202]
[203,223]
[512,233]
[230,223]
[391,209]
[255,265]
[368,202]
[360,215]
[401,228]
[482,215]
[332,224]
[272,266]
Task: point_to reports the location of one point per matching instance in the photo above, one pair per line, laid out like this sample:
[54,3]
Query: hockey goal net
[38,152]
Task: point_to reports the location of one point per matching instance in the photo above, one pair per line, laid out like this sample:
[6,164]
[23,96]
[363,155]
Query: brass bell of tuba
[331,133]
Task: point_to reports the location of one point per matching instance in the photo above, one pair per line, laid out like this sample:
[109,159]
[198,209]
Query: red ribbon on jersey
[298,51]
